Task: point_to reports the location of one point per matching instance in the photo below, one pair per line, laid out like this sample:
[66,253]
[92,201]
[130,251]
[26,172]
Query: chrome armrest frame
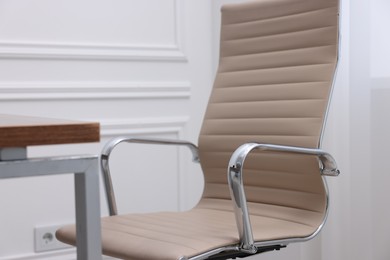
[327,167]
[109,147]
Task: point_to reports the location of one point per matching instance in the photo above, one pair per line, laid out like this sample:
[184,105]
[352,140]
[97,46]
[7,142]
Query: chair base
[234,255]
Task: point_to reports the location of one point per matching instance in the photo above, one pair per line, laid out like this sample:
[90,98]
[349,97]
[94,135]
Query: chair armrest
[327,166]
[109,147]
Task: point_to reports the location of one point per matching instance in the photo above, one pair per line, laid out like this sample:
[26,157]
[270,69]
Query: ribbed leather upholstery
[277,60]
[276,70]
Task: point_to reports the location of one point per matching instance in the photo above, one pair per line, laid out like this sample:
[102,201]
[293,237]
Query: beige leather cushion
[170,235]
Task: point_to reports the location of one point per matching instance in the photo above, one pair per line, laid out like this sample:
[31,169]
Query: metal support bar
[85,169]
[236,185]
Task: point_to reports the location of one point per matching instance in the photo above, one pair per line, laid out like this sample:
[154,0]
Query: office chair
[258,147]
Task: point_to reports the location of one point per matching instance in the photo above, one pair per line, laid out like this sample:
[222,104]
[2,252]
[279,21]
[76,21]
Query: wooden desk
[19,132]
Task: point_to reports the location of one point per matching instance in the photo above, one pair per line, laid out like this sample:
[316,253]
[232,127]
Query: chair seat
[171,235]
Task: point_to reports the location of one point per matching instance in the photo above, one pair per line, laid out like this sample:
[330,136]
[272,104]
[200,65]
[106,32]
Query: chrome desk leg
[88,213]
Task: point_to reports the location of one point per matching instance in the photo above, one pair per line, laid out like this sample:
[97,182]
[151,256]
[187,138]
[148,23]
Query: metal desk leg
[85,170]
[87,213]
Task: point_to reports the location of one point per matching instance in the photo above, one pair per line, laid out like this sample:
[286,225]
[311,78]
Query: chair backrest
[275,75]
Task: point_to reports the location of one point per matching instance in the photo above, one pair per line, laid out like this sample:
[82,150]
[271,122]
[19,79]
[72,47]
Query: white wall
[379,79]
[145,68]
[358,227]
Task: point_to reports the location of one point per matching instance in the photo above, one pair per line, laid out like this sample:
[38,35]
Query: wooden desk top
[23,131]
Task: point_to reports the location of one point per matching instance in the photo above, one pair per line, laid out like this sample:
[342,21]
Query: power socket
[45,239]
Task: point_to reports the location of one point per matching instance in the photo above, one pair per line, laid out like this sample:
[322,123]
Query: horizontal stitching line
[277,51]
[286,206]
[276,68]
[158,225]
[301,208]
[169,221]
[258,118]
[270,188]
[270,101]
[230,152]
[263,203]
[260,215]
[272,84]
[283,219]
[256,135]
[278,17]
[278,34]
[285,85]
[166,224]
[148,237]
[259,171]
[265,101]
[259,135]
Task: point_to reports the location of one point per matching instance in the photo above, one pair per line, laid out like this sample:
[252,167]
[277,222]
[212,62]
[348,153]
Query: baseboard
[66,254]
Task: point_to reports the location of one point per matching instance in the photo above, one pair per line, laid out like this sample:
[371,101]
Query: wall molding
[32,91]
[68,51]
[142,126]
[145,127]
[87,51]
[67,254]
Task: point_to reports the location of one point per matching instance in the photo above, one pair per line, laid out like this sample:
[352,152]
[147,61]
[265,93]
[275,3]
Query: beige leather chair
[267,108]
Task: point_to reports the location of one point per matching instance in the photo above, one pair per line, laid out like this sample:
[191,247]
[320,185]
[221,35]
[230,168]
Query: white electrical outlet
[45,239]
